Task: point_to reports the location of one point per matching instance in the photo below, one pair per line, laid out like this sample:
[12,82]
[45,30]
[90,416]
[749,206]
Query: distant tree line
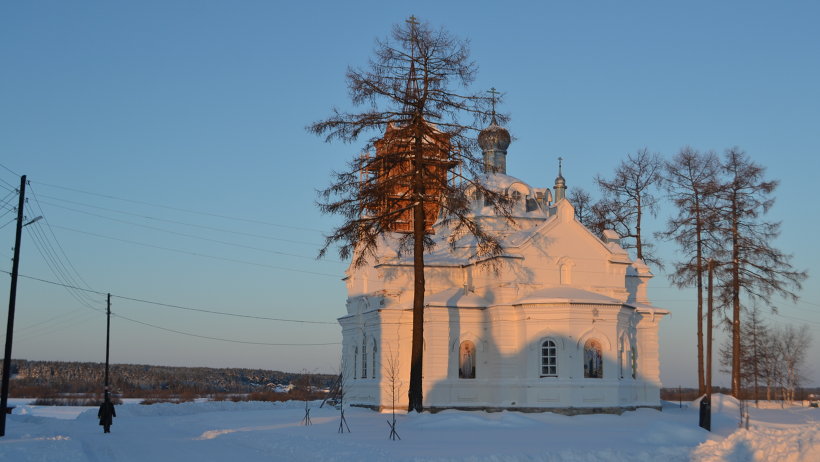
[718,222]
[133,379]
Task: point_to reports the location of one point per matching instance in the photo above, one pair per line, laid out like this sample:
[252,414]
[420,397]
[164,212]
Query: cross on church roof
[493,98]
[412,21]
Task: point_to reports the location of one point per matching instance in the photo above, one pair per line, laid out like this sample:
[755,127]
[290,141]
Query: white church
[564,324]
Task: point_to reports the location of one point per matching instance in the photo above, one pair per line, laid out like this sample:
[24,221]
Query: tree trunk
[735,304]
[699,272]
[638,242]
[710,313]
[415,398]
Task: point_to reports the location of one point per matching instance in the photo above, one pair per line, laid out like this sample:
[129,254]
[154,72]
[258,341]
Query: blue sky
[200,108]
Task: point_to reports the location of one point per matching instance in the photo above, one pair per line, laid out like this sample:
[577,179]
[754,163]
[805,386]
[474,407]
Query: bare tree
[775,356]
[793,343]
[391,371]
[756,332]
[628,197]
[582,203]
[414,92]
[754,267]
[341,391]
[305,384]
[771,364]
[690,180]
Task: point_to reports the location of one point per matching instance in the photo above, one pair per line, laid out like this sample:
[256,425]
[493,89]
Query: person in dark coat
[107,414]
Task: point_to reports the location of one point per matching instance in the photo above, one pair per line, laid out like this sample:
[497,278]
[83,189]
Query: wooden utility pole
[12,301]
[107,343]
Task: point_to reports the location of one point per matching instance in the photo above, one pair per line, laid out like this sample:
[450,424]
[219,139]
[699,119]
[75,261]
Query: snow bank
[800,444]
[261,431]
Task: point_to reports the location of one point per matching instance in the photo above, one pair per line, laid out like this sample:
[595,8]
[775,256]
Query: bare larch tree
[752,264]
[690,180]
[582,202]
[628,197]
[414,92]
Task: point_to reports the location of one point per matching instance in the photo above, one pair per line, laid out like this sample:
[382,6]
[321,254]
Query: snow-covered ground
[223,431]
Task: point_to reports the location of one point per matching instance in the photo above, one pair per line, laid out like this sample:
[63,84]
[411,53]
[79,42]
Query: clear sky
[166,147]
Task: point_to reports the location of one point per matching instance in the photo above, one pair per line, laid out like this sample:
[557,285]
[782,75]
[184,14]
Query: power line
[9,170]
[193,236]
[796,318]
[165,220]
[178,209]
[186,252]
[55,268]
[220,339]
[59,268]
[76,317]
[7,199]
[189,334]
[170,305]
[201,310]
[42,213]
[7,223]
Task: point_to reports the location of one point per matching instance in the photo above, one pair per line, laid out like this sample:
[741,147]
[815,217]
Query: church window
[593,362]
[373,355]
[466,360]
[364,358]
[532,204]
[355,360]
[621,353]
[549,359]
[566,273]
[634,358]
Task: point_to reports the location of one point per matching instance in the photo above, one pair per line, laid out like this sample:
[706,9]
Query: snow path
[211,434]
[220,431]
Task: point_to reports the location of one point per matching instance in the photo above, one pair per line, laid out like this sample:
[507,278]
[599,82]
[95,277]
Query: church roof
[565,294]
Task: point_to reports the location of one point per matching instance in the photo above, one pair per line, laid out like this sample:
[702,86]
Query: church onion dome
[494,138]
[560,181]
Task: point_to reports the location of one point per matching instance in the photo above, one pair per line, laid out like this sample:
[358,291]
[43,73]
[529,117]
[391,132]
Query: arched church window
[355,361]
[634,358]
[566,273]
[593,362]
[364,358]
[549,359]
[466,360]
[621,354]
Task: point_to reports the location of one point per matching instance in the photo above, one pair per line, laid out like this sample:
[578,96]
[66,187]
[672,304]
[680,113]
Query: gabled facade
[561,321]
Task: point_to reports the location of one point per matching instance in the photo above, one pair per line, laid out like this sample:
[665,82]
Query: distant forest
[133,379]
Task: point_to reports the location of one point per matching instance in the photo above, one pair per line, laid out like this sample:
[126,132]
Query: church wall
[509,359]
[649,353]
[507,340]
